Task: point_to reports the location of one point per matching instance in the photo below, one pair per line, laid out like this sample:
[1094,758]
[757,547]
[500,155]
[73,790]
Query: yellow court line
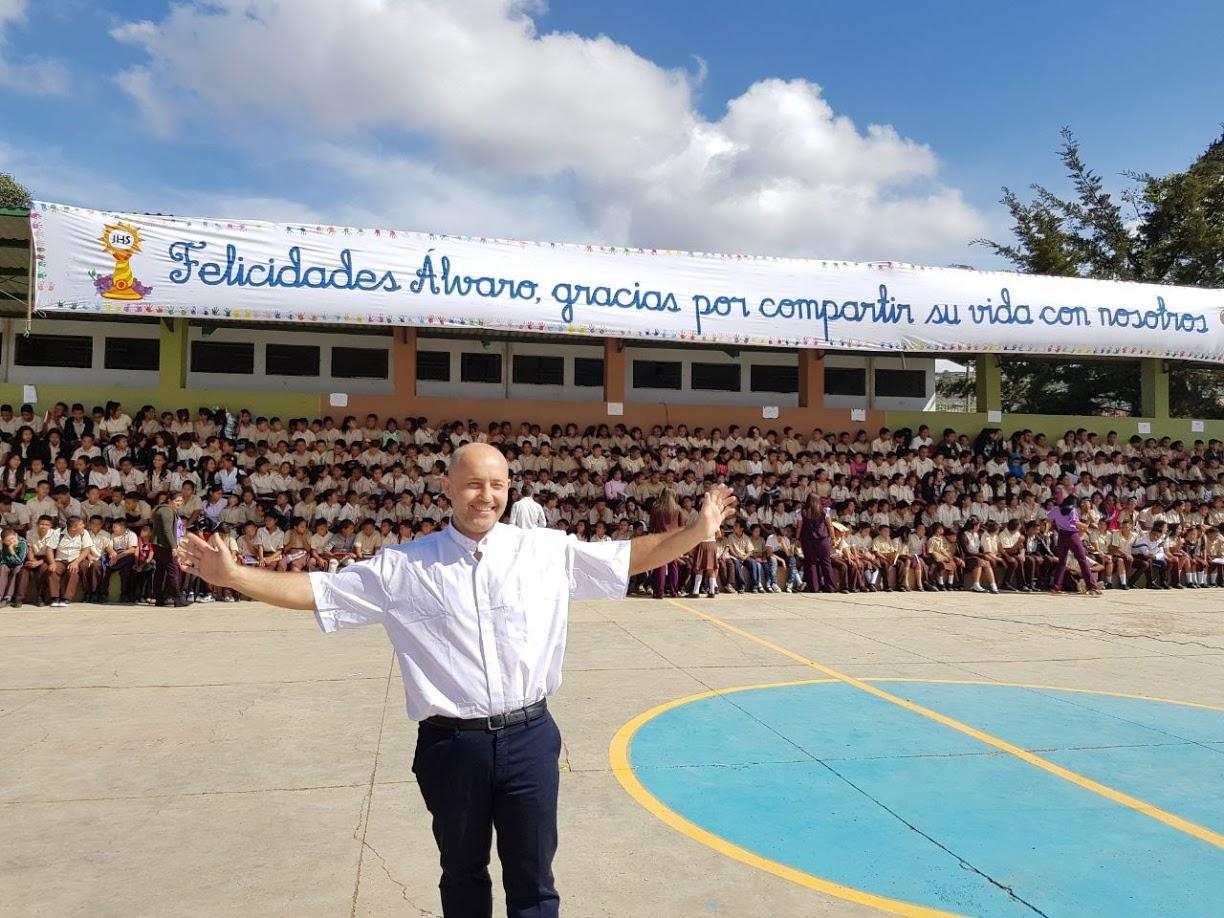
[1134,803]
[1046,688]
[618,756]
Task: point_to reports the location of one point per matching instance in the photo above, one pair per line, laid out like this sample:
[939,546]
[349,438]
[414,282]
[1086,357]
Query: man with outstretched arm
[477,616]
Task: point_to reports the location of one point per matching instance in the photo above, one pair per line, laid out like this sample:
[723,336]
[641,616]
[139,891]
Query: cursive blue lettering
[884,310]
[181,252]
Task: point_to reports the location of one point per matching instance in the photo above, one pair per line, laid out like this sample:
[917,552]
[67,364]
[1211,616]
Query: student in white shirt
[15,515]
[120,559]
[38,556]
[115,422]
[69,553]
[269,543]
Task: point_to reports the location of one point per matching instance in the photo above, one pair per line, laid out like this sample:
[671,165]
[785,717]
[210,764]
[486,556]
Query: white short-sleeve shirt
[474,637]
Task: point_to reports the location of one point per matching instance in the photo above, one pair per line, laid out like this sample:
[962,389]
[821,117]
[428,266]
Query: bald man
[477,616]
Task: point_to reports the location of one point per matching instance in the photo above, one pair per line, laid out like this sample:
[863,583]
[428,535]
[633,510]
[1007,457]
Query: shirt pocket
[513,617]
[511,607]
[522,600]
[425,601]
[424,621]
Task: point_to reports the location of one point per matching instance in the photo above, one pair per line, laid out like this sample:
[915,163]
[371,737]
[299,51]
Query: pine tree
[1161,230]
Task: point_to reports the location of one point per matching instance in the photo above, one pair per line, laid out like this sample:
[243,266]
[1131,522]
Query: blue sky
[427,116]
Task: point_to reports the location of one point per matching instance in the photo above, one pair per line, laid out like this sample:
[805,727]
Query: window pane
[724,377]
[75,351]
[533,370]
[588,371]
[481,368]
[900,383]
[656,374]
[132,354]
[292,360]
[360,362]
[222,357]
[433,366]
[845,381]
[766,378]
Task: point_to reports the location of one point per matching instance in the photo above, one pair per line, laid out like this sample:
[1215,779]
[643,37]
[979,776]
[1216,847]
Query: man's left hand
[718,507]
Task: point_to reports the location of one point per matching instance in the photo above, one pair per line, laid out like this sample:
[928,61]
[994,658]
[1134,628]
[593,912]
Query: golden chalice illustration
[122,241]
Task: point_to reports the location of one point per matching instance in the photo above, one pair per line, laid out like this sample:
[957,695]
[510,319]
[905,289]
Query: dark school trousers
[475,781]
[167,578]
[818,561]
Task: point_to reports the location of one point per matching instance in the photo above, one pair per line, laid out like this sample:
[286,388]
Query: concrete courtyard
[232,760]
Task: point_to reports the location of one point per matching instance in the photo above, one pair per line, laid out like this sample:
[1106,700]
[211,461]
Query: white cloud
[540,135]
[40,76]
[431,199]
[156,109]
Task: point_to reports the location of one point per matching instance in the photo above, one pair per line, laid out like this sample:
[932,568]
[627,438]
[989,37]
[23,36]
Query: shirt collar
[470,544]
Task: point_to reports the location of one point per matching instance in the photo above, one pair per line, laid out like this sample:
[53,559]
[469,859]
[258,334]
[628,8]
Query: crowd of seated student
[910,511]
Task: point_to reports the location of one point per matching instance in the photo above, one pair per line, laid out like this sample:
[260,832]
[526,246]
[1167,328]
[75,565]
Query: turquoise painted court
[839,784]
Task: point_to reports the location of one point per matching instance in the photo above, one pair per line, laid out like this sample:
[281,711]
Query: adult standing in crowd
[816,543]
[168,530]
[1067,521]
[527,512]
[477,614]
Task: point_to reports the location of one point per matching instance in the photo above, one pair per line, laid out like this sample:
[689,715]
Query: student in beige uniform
[69,554]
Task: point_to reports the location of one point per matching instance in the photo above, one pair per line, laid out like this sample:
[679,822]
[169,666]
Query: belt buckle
[496,722]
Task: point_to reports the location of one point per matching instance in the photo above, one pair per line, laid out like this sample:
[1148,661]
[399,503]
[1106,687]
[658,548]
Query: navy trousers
[474,782]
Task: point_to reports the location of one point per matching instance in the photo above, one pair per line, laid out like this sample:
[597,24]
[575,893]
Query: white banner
[90,261]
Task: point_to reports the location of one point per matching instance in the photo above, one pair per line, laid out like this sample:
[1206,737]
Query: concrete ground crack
[1078,630]
[19,751]
[1051,625]
[382,862]
[998,884]
[363,820]
[178,685]
[203,793]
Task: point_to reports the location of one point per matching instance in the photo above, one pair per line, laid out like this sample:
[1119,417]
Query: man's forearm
[289,590]
[658,548]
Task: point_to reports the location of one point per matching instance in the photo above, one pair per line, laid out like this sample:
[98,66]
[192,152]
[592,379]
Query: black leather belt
[496,722]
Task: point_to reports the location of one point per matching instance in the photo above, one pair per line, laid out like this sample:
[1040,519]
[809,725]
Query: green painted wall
[1053,425]
[171,392]
[281,404]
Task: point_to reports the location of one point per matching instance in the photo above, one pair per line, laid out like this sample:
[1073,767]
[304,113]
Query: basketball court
[782,755]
